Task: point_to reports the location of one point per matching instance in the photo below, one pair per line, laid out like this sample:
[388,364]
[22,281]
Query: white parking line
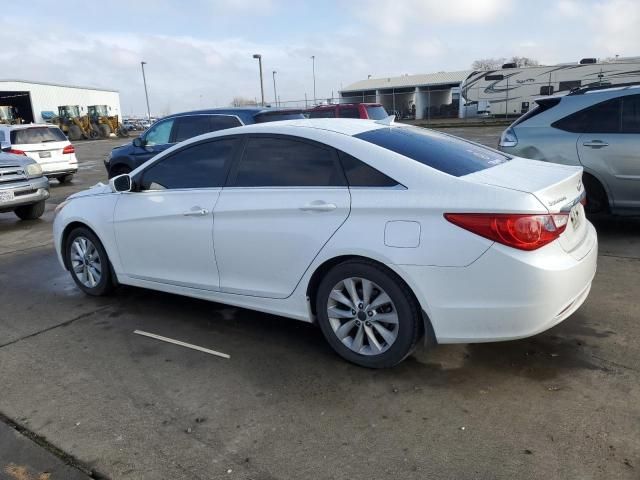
[182,344]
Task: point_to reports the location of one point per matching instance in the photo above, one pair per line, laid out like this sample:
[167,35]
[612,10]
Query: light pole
[275,92]
[146,94]
[313,66]
[259,57]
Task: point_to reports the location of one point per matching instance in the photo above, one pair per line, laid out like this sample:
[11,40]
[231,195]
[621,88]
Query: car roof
[352,104]
[244,113]
[344,126]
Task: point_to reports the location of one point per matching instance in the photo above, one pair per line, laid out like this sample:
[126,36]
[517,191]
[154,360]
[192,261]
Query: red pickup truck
[373,111]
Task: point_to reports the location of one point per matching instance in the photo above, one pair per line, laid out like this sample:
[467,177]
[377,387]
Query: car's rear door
[284,200]
[609,147]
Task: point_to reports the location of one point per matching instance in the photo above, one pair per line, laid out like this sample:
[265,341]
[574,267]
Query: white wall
[49,97]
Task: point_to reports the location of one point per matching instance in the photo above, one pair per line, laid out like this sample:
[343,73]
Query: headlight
[59,207]
[33,170]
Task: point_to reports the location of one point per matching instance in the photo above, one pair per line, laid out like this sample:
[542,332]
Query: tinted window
[280,162]
[275,116]
[377,113]
[568,85]
[360,174]
[603,117]
[159,133]
[324,113]
[200,166]
[190,126]
[349,112]
[222,122]
[631,114]
[37,135]
[546,90]
[446,153]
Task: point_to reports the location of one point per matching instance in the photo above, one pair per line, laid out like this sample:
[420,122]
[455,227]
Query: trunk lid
[46,152]
[558,187]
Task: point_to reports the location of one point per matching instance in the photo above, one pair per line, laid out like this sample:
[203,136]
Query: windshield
[446,153]
[376,112]
[69,111]
[27,136]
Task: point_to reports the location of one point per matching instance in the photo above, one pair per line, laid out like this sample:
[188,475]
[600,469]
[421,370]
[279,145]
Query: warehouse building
[433,95]
[37,101]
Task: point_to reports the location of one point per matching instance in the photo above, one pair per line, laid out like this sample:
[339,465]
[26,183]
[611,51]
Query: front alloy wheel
[88,263]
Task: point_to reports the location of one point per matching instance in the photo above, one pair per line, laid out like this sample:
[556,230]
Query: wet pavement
[563,404]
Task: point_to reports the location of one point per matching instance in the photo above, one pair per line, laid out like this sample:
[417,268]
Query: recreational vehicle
[511,91]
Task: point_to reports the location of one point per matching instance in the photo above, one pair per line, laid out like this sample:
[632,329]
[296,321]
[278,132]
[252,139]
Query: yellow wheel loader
[74,125]
[106,124]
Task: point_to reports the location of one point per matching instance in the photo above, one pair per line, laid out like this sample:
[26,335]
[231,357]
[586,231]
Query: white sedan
[381,233]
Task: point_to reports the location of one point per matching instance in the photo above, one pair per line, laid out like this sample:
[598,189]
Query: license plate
[6,196]
[575,217]
[45,154]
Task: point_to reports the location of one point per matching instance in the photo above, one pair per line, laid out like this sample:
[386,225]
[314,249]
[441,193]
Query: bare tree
[243,102]
[487,63]
[524,61]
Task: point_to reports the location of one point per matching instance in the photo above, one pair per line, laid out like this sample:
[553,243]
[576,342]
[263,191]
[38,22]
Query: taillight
[521,231]
[69,149]
[15,151]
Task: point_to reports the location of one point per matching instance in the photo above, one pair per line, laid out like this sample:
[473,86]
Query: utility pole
[259,57]
[275,92]
[313,66]
[146,94]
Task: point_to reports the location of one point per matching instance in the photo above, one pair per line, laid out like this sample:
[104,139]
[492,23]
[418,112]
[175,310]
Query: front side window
[283,162]
[159,133]
[631,114]
[349,112]
[323,113]
[204,165]
[190,126]
[603,117]
[446,153]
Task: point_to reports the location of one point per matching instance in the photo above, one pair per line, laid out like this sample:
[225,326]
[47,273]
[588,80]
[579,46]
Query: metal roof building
[432,95]
[31,99]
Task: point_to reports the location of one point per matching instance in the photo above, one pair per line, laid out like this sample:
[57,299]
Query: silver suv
[597,128]
[23,187]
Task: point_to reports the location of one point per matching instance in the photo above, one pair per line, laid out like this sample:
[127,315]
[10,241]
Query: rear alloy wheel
[367,315]
[88,262]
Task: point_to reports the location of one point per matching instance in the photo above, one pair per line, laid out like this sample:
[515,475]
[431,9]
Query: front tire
[105,130]
[30,212]
[367,314]
[65,178]
[74,133]
[88,262]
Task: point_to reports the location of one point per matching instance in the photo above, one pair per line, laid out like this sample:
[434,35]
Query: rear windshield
[376,112]
[277,116]
[446,153]
[26,136]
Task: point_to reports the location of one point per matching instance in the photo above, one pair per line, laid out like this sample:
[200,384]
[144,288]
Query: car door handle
[196,212]
[318,206]
[596,144]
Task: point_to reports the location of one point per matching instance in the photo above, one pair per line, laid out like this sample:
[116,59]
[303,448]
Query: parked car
[23,187]
[597,128]
[365,111]
[380,233]
[182,126]
[46,144]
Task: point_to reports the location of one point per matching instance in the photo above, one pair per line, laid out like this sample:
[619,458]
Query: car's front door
[285,199]
[611,148]
[164,229]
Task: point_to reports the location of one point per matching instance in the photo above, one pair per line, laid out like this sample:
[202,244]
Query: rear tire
[65,178]
[88,262]
[597,199]
[105,131]
[75,133]
[386,325]
[30,212]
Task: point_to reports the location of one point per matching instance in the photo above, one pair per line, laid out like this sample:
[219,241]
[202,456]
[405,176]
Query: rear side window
[349,112]
[282,162]
[222,122]
[376,112]
[204,165]
[541,106]
[360,174]
[604,117]
[324,113]
[546,90]
[631,114]
[26,136]
[276,116]
[446,153]
[190,126]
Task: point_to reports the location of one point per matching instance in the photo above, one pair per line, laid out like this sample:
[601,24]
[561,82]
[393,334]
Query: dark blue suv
[181,126]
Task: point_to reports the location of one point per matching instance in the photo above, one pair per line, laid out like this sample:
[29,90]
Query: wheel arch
[588,175]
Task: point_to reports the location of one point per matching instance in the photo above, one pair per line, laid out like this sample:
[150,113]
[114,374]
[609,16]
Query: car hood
[9,159]
[97,189]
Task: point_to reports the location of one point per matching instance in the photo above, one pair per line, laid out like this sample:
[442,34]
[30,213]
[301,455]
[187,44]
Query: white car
[46,144]
[380,233]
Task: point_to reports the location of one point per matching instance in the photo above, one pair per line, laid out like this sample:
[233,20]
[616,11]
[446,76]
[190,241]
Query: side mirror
[121,183]
[5,146]
[139,142]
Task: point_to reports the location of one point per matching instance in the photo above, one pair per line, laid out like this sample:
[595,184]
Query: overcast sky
[199,52]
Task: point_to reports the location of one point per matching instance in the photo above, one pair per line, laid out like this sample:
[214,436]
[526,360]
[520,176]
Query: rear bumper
[25,193]
[59,168]
[506,294]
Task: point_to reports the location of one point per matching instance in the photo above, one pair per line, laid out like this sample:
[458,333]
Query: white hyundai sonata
[381,233]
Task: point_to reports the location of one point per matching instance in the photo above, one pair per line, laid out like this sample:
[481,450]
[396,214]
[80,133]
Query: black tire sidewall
[105,283]
[30,212]
[408,314]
